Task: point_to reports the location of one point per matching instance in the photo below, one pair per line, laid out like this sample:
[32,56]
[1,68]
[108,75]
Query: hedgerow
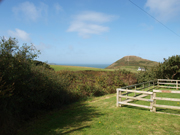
[28,89]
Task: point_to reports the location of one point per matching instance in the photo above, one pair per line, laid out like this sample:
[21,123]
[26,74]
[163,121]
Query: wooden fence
[167,83]
[142,94]
[145,86]
[152,99]
[120,96]
[154,105]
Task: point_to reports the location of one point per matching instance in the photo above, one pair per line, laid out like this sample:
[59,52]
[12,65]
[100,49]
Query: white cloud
[58,8]
[29,11]
[88,23]
[164,10]
[20,34]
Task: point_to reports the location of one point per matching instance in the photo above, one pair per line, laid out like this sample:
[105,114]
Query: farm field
[100,115]
[130,68]
[76,68]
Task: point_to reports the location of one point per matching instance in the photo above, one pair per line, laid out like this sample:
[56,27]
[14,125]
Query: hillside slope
[132,61]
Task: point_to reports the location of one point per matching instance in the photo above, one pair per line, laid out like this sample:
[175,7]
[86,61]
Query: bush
[169,69]
[29,87]
[26,89]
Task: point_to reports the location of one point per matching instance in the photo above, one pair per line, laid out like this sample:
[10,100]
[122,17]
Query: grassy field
[130,68]
[76,68]
[101,116]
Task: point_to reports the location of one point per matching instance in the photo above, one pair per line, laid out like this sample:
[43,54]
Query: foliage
[27,89]
[169,69]
[40,63]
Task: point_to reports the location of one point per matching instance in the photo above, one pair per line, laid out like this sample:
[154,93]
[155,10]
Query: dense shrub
[26,89]
[29,87]
[168,69]
[40,63]
[97,83]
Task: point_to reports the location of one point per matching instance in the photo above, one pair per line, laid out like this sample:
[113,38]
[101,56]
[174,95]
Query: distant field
[130,68]
[76,68]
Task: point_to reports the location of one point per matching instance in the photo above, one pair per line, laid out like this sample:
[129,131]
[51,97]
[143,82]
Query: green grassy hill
[132,61]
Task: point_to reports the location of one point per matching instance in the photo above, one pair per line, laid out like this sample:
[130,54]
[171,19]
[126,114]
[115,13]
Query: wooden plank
[167,80]
[143,106]
[167,83]
[167,106]
[167,99]
[144,87]
[154,102]
[167,86]
[166,91]
[136,84]
[143,92]
[176,85]
[136,98]
[140,96]
[117,97]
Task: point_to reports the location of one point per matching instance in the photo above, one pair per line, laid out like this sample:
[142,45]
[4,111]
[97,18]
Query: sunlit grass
[101,116]
[77,68]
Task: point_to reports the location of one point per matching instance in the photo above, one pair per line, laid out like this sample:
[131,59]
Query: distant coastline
[86,65]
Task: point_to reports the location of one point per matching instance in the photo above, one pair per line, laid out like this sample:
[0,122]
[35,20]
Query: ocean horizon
[87,65]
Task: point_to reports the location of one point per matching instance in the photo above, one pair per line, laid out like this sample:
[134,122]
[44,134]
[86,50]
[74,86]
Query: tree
[15,63]
[169,68]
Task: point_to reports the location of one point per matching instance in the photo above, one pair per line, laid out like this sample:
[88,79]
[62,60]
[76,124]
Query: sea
[88,65]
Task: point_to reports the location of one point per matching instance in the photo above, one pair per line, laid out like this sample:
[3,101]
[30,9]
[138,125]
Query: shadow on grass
[162,110]
[69,119]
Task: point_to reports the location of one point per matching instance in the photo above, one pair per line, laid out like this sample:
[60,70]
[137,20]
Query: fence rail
[167,99]
[162,82]
[120,96]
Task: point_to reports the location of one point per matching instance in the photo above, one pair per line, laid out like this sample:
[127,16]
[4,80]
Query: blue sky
[94,31]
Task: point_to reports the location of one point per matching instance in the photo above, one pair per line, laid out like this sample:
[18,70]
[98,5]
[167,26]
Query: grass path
[101,116]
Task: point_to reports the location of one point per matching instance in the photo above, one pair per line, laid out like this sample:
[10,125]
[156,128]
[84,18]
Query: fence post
[158,82]
[117,97]
[154,101]
[151,104]
[176,85]
[126,92]
[135,90]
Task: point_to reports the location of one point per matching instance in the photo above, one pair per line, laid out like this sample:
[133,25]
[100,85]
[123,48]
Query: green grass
[77,68]
[101,116]
[130,68]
